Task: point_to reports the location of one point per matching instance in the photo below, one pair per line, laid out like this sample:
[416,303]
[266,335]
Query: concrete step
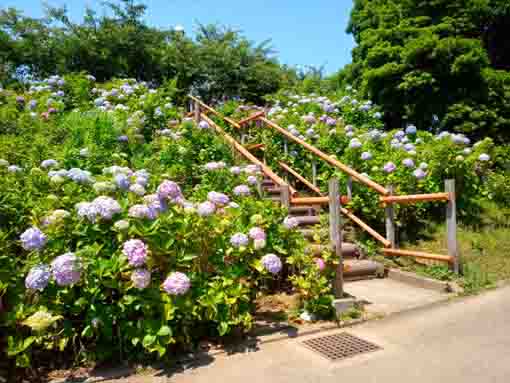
[306,220]
[356,269]
[349,250]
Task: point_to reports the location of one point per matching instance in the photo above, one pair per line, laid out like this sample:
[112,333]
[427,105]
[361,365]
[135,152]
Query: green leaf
[165,331]
[148,340]
[87,332]
[223,328]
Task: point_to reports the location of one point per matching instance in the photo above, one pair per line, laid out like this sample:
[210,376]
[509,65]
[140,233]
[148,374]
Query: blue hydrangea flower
[419,173]
[206,208]
[219,199]
[355,143]
[38,277]
[33,239]
[272,263]
[242,190]
[239,239]
[411,129]
[366,156]
[122,181]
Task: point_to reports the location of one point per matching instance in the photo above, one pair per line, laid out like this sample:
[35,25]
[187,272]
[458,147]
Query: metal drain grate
[340,346]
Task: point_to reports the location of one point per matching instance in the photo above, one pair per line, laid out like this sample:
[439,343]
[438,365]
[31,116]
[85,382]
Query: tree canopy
[217,62]
[422,59]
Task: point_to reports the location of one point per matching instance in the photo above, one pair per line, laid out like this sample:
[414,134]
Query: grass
[484,249]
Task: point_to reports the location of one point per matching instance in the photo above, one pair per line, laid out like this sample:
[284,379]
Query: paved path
[463,341]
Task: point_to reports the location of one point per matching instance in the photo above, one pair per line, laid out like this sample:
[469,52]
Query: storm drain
[340,346]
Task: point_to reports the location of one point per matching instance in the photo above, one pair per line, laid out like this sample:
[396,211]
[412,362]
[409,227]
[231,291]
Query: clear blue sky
[303,32]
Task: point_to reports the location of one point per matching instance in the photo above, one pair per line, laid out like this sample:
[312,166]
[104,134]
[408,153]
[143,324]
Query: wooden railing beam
[346,169]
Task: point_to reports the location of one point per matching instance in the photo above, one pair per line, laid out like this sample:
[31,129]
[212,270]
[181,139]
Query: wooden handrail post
[335,232]
[451,225]
[390,220]
[196,110]
[285,195]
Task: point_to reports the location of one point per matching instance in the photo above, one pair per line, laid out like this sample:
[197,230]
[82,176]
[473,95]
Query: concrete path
[387,296]
[463,341]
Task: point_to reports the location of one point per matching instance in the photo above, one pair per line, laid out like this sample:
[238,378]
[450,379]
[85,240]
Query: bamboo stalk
[418,254]
[246,154]
[403,199]
[300,178]
[346,169]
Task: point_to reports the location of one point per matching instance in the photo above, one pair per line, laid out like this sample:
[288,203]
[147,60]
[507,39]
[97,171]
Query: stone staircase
[355,266]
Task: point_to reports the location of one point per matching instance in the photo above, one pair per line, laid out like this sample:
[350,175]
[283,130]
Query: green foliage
[418,59]
[219,62]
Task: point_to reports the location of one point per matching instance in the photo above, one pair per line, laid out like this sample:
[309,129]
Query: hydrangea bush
[126,229]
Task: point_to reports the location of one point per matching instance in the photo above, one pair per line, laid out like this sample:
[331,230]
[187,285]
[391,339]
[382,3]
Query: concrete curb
[423,282]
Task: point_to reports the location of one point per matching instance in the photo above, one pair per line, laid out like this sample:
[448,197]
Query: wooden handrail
[255,146]
[365,227]
[250,157]
[215,112]
[418,254]
[311,186]
[403,199]
[254,116]
[299,201]
[354,174]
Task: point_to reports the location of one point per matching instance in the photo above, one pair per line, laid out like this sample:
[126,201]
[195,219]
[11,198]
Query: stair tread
[308,219]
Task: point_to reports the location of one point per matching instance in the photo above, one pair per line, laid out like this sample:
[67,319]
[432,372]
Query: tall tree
[448,58]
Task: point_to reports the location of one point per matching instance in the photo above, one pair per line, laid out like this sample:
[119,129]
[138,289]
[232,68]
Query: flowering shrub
[129,246]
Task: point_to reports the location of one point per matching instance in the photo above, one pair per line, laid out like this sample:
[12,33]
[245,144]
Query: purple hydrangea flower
[242,190]
[122,181]
[211,166]
[239,239]
[136,252]
[169,190]
[141,278]
[290,223]
[80,176]
[142,212]
[257,233]
[206,208]
[87,210]
[123,138]
[484,157]
[321,265]
[272,263]
[411,129]
[408,162]
[389,167]
[14,169]
[219,199]
[355,143]
[235,170]
[252,180]
[409,147]
[137,189]
[419,173]
[177,284]
[33,239]
[49,163]
[366,156]
[203,125]
[251,169]
[66,269]
[399,134]
[38,277]
[106,207]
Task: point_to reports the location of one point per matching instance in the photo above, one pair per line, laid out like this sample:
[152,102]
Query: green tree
[448,58]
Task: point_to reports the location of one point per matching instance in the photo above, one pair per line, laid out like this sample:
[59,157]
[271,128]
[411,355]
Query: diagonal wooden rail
[246,154]
[332,161]
[386,197]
